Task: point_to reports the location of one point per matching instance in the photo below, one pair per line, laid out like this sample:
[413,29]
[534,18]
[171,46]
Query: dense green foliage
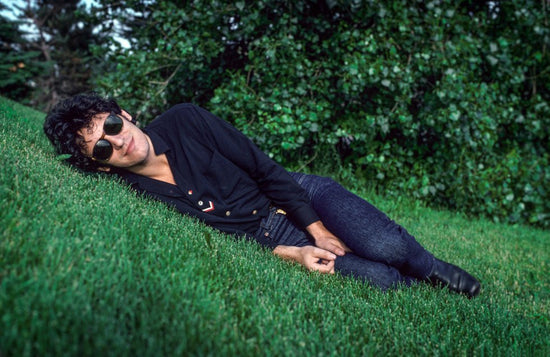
[87,268]
[442,100]
[445,101]
[18,64]
[46,52]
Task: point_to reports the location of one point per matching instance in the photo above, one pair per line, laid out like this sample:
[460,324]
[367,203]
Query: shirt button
[190,192]
[228,213]
[200,203]
[255,211]
[266,234]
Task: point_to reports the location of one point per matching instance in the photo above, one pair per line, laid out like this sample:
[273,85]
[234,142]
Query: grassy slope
[87,267]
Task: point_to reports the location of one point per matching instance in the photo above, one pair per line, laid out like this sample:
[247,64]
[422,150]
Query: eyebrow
[89,130]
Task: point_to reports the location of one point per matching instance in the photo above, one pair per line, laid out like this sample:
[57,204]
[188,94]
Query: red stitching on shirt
[209,209]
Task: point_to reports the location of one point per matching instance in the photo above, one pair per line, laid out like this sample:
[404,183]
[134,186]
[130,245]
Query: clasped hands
[320,257]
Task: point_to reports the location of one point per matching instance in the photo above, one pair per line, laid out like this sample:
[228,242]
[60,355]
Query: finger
[343,246]
[329,267]
[325,268]
[331,246]
[337,248]
[346,248]
[324,254]
[331,271]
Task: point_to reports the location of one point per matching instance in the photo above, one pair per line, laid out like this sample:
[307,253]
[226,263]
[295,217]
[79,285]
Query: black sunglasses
[103,148]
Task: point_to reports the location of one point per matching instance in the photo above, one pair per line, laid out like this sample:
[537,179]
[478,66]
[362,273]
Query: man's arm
[272,179]
[313,258]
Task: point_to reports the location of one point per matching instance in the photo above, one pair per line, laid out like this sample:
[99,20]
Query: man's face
[131,147]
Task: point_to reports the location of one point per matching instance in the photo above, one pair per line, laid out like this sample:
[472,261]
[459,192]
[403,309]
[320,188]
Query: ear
[126,115]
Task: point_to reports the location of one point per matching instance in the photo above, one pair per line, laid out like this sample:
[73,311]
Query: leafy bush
[442,100]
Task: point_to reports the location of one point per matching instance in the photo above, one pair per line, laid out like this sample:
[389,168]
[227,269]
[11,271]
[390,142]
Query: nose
[116,140]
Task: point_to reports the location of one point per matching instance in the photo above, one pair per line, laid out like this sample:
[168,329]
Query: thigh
[369,232]
[362,226]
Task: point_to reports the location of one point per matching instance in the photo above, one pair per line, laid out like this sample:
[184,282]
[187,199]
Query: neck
[154,166]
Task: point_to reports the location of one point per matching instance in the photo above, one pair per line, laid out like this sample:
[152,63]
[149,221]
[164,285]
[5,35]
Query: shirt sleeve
[272,179]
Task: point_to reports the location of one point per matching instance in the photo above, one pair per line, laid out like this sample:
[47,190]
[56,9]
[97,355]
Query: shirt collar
[142,183]
[159,144]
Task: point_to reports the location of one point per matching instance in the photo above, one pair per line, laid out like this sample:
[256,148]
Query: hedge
[446,101]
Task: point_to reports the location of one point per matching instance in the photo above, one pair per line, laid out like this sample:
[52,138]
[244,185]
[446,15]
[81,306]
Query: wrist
[288,252]
[316,229]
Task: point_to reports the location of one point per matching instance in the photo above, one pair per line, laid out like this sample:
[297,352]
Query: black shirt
[221,177]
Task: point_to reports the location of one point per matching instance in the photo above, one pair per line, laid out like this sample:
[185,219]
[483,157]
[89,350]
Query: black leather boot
[454,278]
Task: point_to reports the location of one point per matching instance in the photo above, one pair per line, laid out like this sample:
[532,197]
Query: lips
[130,147]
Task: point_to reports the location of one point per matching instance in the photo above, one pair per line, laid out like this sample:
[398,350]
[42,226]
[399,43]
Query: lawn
[89,268]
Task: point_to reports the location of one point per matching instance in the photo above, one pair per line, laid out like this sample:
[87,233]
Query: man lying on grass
[203,166]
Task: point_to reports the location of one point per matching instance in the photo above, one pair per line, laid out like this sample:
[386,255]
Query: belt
[278,210]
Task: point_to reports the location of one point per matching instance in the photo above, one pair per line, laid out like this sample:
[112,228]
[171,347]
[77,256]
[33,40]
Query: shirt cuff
[303,216]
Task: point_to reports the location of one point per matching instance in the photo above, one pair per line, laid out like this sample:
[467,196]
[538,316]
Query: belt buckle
[280,211]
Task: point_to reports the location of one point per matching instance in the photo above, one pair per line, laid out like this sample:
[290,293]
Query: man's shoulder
[181,120]
[187,108]
[174,115]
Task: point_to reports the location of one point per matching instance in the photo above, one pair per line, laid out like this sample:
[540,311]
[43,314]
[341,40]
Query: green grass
[89,268]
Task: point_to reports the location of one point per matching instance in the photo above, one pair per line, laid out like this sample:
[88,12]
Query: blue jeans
[384,253]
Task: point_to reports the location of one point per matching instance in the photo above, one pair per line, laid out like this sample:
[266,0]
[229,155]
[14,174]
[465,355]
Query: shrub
[443,100]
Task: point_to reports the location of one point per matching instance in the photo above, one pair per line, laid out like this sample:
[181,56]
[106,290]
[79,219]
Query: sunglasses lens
[112,125]
[102,150]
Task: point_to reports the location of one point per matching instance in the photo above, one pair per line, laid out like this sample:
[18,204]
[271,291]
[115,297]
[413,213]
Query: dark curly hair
[69,116]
